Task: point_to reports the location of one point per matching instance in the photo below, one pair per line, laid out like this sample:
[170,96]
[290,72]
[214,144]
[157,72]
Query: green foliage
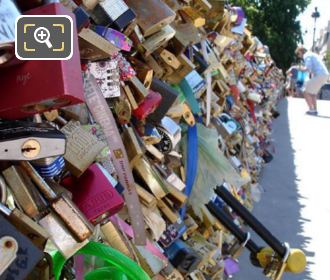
[327,60]
[275,23]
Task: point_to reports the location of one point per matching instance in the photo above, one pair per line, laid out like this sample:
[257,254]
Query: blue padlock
[49,167]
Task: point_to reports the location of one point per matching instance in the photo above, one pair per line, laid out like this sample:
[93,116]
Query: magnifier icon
[41,35]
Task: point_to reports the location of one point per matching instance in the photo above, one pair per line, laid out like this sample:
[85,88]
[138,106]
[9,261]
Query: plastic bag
[213,169]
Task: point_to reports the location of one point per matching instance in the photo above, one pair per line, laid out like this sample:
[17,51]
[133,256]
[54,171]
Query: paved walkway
[296,202]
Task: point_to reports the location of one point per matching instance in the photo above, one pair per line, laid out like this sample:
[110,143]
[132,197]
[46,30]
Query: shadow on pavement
[279,209]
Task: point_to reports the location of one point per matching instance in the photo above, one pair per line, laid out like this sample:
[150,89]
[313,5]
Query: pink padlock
[94,194]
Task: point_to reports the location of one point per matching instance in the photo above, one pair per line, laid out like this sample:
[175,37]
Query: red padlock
[41,85]
[94,194]
[149,104]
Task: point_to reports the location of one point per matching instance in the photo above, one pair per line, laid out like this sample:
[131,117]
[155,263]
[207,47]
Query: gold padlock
[81,148]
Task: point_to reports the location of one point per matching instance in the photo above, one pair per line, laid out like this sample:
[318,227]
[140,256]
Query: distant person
[318,74]
[292,75]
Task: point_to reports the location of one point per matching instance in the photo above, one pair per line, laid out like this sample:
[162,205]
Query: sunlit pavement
[296,202]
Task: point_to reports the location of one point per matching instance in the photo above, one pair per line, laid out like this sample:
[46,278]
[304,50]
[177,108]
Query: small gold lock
[31,148]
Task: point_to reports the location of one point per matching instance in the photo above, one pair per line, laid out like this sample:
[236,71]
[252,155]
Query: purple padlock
[239,12]
[117,38]
[231,266]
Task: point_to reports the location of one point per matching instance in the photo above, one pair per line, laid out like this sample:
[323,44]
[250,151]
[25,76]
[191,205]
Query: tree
[327,60]
[275,23]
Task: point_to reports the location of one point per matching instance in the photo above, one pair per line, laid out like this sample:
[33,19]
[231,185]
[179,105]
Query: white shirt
[315,64]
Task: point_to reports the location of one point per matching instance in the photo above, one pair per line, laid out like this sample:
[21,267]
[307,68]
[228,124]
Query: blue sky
[307,22]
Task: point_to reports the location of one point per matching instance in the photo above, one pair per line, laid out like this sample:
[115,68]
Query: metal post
[251,221]
[315,15]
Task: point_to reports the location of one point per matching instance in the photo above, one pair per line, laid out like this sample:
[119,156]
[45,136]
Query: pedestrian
[292,75]
[318,77]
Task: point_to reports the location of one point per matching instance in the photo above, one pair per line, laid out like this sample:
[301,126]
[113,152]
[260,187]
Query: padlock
[169,235]
[93,46]
[8,15]
[49,167]
[168,58]
[193,81]
[149,261]
[215,14]
[26,226]
[186,67]
[155,66]
[23,190]
[64,241]
[30,141]
[170,132]
[169,96]
[123,110]
[120,40]
[154,152]
[151,177]
[43,270]
[113,236]
[94,194]
[171,215]
[106,74]
[146,198]
[186,34]
[149,104]
[202,5]
[26,95]
[151,23]
[132,145]
[191,15]
[157,40]
[113,13]
[82,18]
[81,148]
[62,205]
[183,257]
[199,61]
[143,71]
[18,255]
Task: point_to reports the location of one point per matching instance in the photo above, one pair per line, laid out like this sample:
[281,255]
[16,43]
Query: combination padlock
[170,132]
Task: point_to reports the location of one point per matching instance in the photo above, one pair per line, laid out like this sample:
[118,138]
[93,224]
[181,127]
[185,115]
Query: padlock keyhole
[28,149]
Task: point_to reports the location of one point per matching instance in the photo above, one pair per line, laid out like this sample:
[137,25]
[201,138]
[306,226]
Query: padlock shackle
[3,190]
[241,236]
[251,221]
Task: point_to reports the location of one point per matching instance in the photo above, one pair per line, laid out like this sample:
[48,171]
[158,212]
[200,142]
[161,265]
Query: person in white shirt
[319,75]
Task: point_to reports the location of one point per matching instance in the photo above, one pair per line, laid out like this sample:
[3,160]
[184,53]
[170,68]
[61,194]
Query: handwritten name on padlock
[24,78]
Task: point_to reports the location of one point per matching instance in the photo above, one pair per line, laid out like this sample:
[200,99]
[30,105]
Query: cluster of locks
[137,157]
